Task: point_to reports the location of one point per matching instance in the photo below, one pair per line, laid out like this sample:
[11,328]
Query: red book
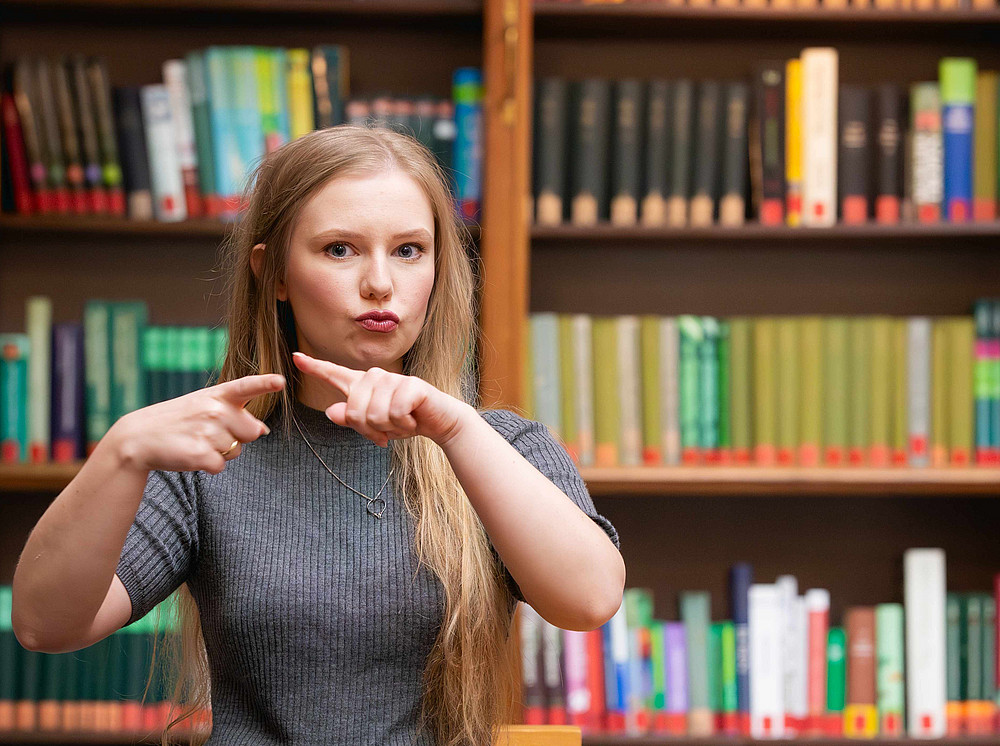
[17,160]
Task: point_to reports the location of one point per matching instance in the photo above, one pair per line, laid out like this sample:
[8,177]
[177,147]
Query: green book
[8,650]
[940,428]
[725,388]
[607,407]
[740,366]
[955,683]
[788,381]
[695,613]
[15,350]
[764,390]
[154,363]
[889,655]
[881,390]
[97,368]
[708,389]
[860,388]
[691,333]
[639,616]
[836,670]
[836,374]
[652,431]
[715,668]
[811,393]
[989,648]
[961,404]
[971,634]
[658,660]
[900,383]
[728,683]
[570,430]
[128,391]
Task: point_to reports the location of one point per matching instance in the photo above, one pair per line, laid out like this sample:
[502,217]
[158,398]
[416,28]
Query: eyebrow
[329,233]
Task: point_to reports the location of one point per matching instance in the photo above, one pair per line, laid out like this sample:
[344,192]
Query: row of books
[776,668]
[917,5]
[656,390]
[185,147]
[104,688]
[676,152]
[63,385]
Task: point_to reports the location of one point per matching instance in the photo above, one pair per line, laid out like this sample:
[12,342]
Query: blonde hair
[470,679]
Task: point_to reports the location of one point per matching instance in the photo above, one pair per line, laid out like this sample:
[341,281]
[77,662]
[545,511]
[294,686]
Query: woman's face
[361,243]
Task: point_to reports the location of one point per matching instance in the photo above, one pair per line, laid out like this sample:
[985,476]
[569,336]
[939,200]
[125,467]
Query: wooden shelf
[750,481]
[650,740]
[107,226]
[754,232]
[403,8]
[710,481]
[556,18]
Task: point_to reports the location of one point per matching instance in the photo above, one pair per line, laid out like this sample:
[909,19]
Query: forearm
[70,557]
[566,566]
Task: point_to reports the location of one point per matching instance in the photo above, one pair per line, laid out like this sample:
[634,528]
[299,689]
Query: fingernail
[267,430]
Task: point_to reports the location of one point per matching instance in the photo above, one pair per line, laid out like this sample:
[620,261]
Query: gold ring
[231,448]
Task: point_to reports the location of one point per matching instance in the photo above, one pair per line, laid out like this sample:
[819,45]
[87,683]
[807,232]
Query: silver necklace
[372,502]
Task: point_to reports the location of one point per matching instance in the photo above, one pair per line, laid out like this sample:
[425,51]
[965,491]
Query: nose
[376,280]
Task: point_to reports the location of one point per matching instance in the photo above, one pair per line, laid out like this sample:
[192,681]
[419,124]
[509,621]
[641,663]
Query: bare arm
[65,592]
[565,565]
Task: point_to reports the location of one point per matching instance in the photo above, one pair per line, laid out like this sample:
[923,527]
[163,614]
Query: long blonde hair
[470,676]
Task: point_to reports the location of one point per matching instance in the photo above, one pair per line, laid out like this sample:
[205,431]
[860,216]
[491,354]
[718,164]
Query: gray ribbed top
[316,620]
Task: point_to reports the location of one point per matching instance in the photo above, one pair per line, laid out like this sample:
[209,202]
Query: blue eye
[334,246]
[417,250]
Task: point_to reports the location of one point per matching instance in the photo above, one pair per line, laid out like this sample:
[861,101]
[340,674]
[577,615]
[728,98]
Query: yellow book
[607,406]
[881,388]
[567,387]
[793,141]
[301,117]
[811,391]
[900,419]
[939,393]
[789,362]
[765,390]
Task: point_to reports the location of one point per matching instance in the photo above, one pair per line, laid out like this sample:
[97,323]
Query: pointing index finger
[340,376]
[242,390]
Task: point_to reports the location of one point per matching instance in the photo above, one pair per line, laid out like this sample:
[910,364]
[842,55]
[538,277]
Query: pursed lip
[379,316]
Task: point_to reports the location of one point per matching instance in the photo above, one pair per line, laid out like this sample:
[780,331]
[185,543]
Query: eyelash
[419,247]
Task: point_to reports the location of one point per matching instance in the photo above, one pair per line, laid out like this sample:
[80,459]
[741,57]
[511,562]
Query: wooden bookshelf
[708,481]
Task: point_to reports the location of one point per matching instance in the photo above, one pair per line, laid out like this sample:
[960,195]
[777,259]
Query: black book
[550,150]
[658,118]
[591,122]
[680,147]
[131,138]
[626,168]
[889,184]
[707,146]
[732,206]
[854,153]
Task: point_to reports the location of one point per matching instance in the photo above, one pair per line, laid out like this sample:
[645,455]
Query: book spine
[995,383]
[924,601]
[836,681]
[55,165]
[652,429]
[889,662]
[533,684]
[984,165]
[836,374]
[695,612]
[981,382]
[708,393]
[855,153]
[38,325]
[819,123]
[788,383]
[175,77]
[675,643]
[818,609]
[859,416]
[545,369]
[900,432]
[919,389]
[940,372]
[607,407]
[134,159]
[740,389]
[691,332]
[569,427]
[467,92]
[161,149]
[86,118]
[67,422]
[724,395]
[574,646]
[659,120]
[765,390]
[740,580]
[957,77]
[550,151]
[111,166]
[732,205]
[767,705]
[927,152]
[670,365]
[961,403]
[202,123]
[770,145]
[76,181]
[880,435]
[678,202]
[629,390]
[301,116]
[955,708]
[889,192]
[552,674]
[591,114]
[706,166]
[811,392]
[617,669]
[793,142]
[583,399]
[626,161]
[97,357]
[15,349]
[17,158]
[247,129]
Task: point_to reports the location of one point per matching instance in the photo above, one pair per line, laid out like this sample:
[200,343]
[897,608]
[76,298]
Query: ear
[256,263]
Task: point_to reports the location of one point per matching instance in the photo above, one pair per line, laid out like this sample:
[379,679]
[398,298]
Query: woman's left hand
[385,406]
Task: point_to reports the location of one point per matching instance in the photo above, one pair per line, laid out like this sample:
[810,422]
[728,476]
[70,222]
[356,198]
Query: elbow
[606,598]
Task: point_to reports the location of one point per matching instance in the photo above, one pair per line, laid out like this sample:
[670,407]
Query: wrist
[466,416]
[123,447]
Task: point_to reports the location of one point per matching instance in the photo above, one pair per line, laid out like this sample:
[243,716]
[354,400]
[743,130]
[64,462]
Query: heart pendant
[371,507]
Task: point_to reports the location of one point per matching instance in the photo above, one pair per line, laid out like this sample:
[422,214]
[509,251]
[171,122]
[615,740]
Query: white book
[583,373]
[819,132]
[793,677]
[175,78]
[669,405]
[545,370]
[918,389]
[161,149]
[924,582]
[38,325]
[629,389]
[767,686]
[797,672]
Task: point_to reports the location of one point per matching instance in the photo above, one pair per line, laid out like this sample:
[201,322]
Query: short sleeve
[542,449]
[162,544]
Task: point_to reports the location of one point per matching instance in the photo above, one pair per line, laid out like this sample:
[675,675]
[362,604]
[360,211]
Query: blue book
[467,92]
[740,580]
[958,99]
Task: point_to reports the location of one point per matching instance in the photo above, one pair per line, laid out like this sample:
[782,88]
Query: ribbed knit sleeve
[162,545]
[542,449]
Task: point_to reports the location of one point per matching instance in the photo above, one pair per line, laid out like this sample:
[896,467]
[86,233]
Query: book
[924,601]
[957,77]
[819,126]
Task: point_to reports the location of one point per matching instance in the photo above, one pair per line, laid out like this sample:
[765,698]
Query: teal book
[695,612]
[14,350]
[691,334]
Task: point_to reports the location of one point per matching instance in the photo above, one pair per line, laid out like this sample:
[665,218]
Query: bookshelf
[673,538]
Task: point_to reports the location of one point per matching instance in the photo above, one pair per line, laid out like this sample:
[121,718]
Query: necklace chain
[371,501]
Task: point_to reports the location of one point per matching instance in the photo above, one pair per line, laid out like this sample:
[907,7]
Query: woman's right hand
[190,432]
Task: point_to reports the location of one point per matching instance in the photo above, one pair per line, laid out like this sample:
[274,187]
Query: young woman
[352,531]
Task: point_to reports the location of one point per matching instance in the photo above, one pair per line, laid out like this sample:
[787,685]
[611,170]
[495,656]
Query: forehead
[382,202]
